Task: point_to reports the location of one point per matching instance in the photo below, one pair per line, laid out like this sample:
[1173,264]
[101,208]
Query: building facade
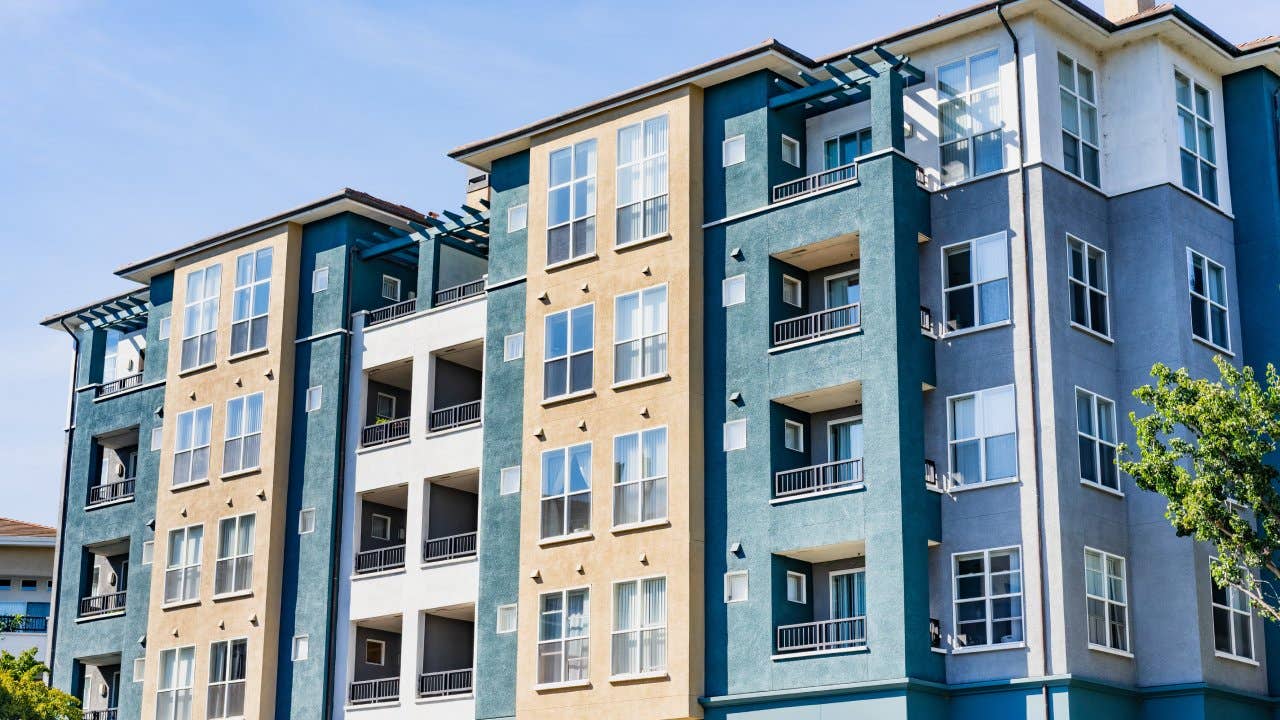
[779,387]
[26,586]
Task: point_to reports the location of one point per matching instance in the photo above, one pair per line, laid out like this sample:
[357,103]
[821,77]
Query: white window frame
[373,522]
[639,631]
[732,426]
[731,148]
[250,287]
[382,651]
[200,318]
[148,551]
[1109,604]
[320,279]
[580,636]
[644,335]
[980,397]
[507,619]
[968,135]
[798,284]
[1234,597]
[826,287]
[974,285]
[226,684]
[659,478]
[517,218]
[987,598]
[306,521]
[799,427]
[729,577]
[395,283]
[570,354]
[301,647]
[513,347]
[190,444]
[803,587]
[248,428]
[790,149]
[652,187]
[1209,264]
[576,214]
[238,563]
[157,438]
[505,484]
[1203,161]
[165,325]
[1083,104]
[377,403]
[315,398]
[173,655]
[566,493]
[1090,286]
[139,669]
[188,571]
[1094,437]
[732,288]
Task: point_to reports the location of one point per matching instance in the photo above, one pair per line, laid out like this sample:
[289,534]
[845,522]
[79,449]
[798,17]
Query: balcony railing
[926,322]
[823,635]
[454,416]
[364,692]
[384,432]
[391,312]
[101,604]
[447,682]
[387,558]
[109,492]
[818,478]
[23,624]
[119,385]
[108,714]
[447,548]
[930,475]
[459,292]
[815,182]
[815,325]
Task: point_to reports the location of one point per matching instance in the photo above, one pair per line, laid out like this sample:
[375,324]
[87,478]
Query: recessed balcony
[388,394]
[99,691]
[457,383]
[821,436]
[376,666]
[380,534]
[816,182]
[818,285]
[461,292]
[105,579]
[117,455]
[450,517]
[447,652]
[825,610]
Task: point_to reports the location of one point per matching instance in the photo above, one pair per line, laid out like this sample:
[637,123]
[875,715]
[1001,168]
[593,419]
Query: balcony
[376,665]
[124,351]
[23,624]
[95,605]
[454,416]
[99,686]
[457,379]
[387,313]
[444,683]
[381,532]
[826,477]
[379,559]
[119,385]
[818,285]
[117,458]
[383,432]
[823,430]
[458,293]
[823,635]
[810,184]
[111,492]
[931,475]
[818,324]
[447,651]
[365,692]
[926,322]
[106,579]
[450,517]
[108,714]
[389,394]
[449,547]
[826,600]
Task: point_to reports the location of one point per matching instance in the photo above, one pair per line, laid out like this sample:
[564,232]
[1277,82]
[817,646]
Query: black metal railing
[815,325]
[384,432]
[815,182]
[387,558]
[460,292]
[926,321]
[119,384]
[108,714]
[447,682]
[454,416]
[391,312]
[23,624]
[109,492]
[818,478]
[823,635]
[101,604]
[373,691]
[447,548]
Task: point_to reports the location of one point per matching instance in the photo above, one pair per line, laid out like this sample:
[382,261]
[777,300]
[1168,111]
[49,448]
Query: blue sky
[129,128]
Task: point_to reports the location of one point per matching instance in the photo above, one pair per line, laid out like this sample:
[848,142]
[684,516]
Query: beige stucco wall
[27,562]
[253,615]
[673,549]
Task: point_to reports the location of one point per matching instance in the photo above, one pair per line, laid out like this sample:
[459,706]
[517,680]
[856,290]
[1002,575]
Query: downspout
[62,498]
[1033,361]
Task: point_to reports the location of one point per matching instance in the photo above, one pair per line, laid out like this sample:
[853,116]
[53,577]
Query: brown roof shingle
[17,528]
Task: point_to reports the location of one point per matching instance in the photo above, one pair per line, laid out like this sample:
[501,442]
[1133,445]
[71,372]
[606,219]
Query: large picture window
[200,317]
[568,356]
[571,203]
[251,301]
[640,334]
[971,138]
[642,180]
[640,477]
[566,491]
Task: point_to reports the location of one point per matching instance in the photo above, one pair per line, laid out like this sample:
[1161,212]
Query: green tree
[1204,447]
[23,693]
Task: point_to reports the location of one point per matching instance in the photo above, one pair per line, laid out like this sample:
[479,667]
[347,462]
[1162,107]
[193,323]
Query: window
[639,626]
[157,437]
[384,407]
[971,141]
[735,586]
[391,288]
[1096,423]
[569,353]
[182,573]
[517,218]
[1079,120]
[227,666]
[793,435]
[380,527]
[513,347]
[244,433]
[507,618]
[983,437]
[1088,283]
[566,491]
[200,317]
[375,652]
[315,397]
[735,150]
[797,588]
[111,355]
[976,282]
[1208,283]
[251,301]
[191,452]
[790,151]
[301,647]
[306,521]
[792,291]
[173,690]
[234,571]
[509,480]
[320,279]
[148,551]
[30,585]
[640,477]
[139,669]
[1195,118]
[988,597]
[841,151]
[735,435]
[642,180]
[734,290]
[163,331]
[7,584]
[571,203]
[562,636]
[1232,621]
[1106,597]
[640,334]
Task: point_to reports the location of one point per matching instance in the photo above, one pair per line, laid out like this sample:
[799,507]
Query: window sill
[180,604]
[234,595]
[570,262]
[197,369]
[187,486]
[940,651]
[240,473]
[979,486]
[1111,651]
[779,657]
[1235,658]
[1093,333]
[1101,488]
[638,526]
[109,503]
[565,539]
[248,354]
[971,649]
[1209,344]
[624,384]
[589,392]
[639,243]
[948,334]
[814,341]
[100,616]
[566,685]
[638,677]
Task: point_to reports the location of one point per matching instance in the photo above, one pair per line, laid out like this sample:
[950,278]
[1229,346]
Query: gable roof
[18,528]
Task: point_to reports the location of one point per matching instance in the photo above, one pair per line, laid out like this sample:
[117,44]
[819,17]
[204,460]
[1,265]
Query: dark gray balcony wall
[455,384]
[450,511]
[390,666]
[367,540]
[401,395]
[448,644]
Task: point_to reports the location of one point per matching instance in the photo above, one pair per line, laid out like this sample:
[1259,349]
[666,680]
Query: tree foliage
[23,693]
[1204,447]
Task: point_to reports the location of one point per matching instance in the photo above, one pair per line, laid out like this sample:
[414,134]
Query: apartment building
[777,387]
[26,586]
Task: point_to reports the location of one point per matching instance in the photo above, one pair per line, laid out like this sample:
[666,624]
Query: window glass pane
[557,335]
[998,411]
[583,331]
[1183,89]
[560,162]
[951,79]
[1085,87]
[955,161]
[627,317]
[953,121]
[984,69]
[964,418]
[1066,73]
[988,153]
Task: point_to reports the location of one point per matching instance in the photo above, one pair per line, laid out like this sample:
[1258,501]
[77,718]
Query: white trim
[502,480]
[507,354]
[804,587]
[639,628]
[382,290]
[795,144]
[303,639]
[986,598]
[733,574]
[372,518]
[725,440]
[641,478]
[514,609]
[585,146]
[734,280]
[566,493]
[1107,601]
[1210,304]
[524,222]
[788,423]
[978,395]
[826,287]
[320,279]
[966,96]
[852,419]
[378,396]
[641,335]
[973,284]
[302,523]
[569,353]
[1089,287]
[1196,152]
[724,150]
[799,285]
[1095,417]
[1080,100]
[382,652]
